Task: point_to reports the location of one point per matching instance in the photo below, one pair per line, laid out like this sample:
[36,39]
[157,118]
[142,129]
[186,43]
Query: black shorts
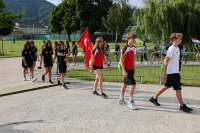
[173,80]
[62,69]
[48,64]
[129,80]
[156,54]
[29,64]
[97,67]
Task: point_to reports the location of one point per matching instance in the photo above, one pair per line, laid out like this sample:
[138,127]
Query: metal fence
[190,68]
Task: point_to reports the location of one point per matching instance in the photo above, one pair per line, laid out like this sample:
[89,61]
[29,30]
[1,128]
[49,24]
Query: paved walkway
[76,110]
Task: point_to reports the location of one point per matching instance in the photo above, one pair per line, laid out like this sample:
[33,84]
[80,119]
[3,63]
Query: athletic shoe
[95,93]
[65,87]
[154,101]
[24,79]
[184,108]
[50,82]
[122,102]
[43,77]
[132,105]
[58,81]
[34,79]
[104,95]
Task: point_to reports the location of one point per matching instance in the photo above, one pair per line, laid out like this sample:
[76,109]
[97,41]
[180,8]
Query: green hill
[35,11]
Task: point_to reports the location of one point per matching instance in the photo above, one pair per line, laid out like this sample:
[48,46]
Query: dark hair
[26,44]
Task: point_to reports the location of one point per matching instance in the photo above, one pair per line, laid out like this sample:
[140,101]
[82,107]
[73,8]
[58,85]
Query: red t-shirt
[128,53]
[98,58]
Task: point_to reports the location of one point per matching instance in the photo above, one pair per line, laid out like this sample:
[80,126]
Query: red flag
[85,44]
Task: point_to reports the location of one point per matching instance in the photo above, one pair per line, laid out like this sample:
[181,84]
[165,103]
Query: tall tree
[90,13]
[118,18]
[159,18]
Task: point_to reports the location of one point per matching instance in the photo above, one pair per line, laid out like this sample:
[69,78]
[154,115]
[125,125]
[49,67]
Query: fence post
[160,80]
[140,79]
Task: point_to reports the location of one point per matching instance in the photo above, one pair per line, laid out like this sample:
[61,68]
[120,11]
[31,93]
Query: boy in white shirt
[171,72]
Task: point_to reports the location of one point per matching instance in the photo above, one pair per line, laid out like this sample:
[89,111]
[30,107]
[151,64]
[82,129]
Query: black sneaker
[95,93]
[39,67]
[154,101]
[65,87]
[184,108]
[58,81]
[104,95]
[43,77]
[50,82]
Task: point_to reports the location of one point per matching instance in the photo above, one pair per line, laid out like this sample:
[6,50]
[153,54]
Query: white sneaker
[34,79]
[132,105]
[122,102]
[24,79]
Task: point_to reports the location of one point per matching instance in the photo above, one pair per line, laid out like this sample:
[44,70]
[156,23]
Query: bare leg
[179,97]
[160,91]
[123,89]
[132,89]
[100,77]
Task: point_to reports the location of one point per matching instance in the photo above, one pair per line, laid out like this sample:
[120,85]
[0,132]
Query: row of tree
[159,18]
[97,15]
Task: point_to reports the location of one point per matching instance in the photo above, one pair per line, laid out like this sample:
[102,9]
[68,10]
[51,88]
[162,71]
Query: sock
[121,97]
[131,98]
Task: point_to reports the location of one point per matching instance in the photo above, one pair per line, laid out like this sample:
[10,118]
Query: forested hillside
[35,11]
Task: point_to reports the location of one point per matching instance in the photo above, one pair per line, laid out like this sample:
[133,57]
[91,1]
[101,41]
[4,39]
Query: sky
[136,3]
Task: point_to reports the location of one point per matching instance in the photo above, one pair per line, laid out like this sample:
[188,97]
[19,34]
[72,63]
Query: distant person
[56,47]
[163,52]
[74,53]
[128,69]
[62,57]
[183,52]
[67,49]
[171,73]
[47,60]
[144,52]
[117,51]
[107,48]
[40,59]
[96,64]
[34,57]
[198,53]
[27,61]
[155,53]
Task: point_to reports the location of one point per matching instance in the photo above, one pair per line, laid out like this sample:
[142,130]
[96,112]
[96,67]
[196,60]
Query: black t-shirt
[47,55]
[34,50]
[117,47]
[27,55]
[67,49]
[61,59]
[56,51]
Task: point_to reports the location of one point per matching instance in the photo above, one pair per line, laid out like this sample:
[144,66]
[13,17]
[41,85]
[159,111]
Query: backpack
[163,65]
[119,66]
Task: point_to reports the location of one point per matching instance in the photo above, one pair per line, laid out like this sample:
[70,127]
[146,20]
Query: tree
[6,18]
[90,13]
[118,18]
[160,18]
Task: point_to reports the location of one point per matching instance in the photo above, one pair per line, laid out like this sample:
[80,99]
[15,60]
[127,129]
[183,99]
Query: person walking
[27,61]
[144,52]
[128,69]
[34,57]
[171,73]
[96,64]
[47,60]
[62,58]
[74,53]
[117,51]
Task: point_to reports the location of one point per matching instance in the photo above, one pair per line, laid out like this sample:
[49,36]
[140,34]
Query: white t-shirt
[173,65]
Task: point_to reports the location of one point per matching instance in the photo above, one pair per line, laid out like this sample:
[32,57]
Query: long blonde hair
[96,45]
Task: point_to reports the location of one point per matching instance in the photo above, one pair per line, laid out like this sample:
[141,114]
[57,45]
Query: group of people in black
[61,52]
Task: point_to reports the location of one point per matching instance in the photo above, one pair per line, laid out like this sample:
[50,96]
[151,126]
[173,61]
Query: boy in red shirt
[127,63]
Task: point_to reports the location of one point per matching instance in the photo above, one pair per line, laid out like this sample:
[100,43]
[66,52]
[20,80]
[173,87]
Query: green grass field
[14,50]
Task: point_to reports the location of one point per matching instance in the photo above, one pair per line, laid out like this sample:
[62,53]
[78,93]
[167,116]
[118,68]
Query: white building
[32,29]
